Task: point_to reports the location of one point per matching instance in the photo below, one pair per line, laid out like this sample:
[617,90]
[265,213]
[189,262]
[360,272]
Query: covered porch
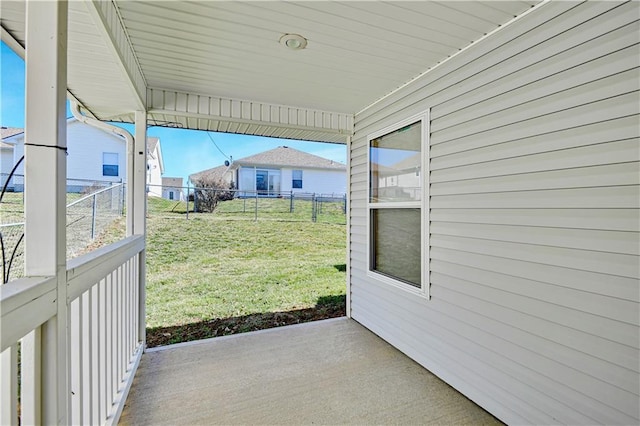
[327,372]
[77,329]
[517,113]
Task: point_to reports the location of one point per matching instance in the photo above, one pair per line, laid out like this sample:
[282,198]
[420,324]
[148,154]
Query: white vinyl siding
[85,146]
[247,180]
[316,181]
[534,219]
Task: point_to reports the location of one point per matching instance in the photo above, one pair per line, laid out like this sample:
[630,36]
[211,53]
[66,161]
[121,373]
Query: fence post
[344,204]
[188,200]
[291,202]
[122,198]
[314,213]
[93,216]
[256,214]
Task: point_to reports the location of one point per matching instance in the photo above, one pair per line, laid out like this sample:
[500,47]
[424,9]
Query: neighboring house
[155,167]
[172,188]
[281,171]
[223,174]
[6,154]
[399,180]
[95,157]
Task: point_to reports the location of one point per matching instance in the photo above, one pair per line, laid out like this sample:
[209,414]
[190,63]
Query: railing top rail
[25,303]
[84,271]
[6,225]
[79,200]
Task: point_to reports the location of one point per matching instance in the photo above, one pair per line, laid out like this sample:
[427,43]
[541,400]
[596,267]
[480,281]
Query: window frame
[116,165]
[422,204]
[293,179]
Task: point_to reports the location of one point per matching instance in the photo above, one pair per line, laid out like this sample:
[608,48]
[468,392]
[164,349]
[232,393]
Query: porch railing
[104,344]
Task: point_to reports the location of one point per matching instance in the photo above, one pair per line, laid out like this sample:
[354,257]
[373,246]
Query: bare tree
[209,191]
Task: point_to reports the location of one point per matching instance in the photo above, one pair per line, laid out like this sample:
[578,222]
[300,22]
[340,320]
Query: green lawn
[12,206]
[222,273]
[216,267]
[268,209]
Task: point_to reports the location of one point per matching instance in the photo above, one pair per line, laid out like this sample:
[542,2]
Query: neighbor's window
[296,179]
[109,164]
[397,207]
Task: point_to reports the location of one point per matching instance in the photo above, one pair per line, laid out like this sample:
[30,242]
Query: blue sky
[184,151]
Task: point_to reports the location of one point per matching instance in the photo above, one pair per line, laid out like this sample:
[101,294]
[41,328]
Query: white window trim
[423,204]
[117,163]
[294,179]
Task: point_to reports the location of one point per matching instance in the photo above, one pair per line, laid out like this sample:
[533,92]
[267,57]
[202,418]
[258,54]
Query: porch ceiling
[220,66]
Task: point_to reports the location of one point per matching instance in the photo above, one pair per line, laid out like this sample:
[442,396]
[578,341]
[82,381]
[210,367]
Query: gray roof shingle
[289,157]
[7,132]
[281,156]
[172,181]
[217,173]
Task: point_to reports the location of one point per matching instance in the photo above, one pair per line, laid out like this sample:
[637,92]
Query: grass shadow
[326,307]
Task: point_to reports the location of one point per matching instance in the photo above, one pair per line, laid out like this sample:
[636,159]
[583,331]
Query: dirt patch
[225,326]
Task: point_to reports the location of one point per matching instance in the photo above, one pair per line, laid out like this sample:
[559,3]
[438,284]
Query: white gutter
[75,111]
[19,50]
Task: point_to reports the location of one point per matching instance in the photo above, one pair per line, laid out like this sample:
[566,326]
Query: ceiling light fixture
[293,41]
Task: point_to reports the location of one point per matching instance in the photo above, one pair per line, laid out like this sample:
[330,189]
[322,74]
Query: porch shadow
[323,372]
[326,307]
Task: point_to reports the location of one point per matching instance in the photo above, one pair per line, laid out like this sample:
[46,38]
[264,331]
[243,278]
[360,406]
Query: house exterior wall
[6,164]
[178,194]
[317,181]
[85,146]
[154,176]
[534,220]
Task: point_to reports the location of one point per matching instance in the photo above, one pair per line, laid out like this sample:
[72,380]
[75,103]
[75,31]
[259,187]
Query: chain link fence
[297,206]
[89,214]
[74,185]
[255,205]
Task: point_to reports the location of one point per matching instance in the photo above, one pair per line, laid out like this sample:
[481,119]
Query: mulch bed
[226,326]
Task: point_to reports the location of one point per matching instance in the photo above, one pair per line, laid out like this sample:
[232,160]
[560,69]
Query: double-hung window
[398,204]
[296,181]
[110,164]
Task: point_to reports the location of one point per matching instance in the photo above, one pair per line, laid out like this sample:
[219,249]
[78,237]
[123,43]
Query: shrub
[208,192]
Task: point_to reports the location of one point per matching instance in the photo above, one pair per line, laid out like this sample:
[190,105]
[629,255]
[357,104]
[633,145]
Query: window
[264,181]
[296,181]
[109,164]
[171,195]
[398,204]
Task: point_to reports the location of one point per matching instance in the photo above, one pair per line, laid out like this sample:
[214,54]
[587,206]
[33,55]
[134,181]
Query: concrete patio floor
[326,372]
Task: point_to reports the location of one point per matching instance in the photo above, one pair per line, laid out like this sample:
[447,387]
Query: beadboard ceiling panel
[357,52]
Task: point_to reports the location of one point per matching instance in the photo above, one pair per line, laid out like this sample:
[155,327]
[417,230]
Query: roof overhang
[220,65]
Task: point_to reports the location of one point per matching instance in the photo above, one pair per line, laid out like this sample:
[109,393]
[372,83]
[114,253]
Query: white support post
[139,190]
[129,185]
[140,174]
[9,386]
[31,359]
[45,193]
[348,215]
